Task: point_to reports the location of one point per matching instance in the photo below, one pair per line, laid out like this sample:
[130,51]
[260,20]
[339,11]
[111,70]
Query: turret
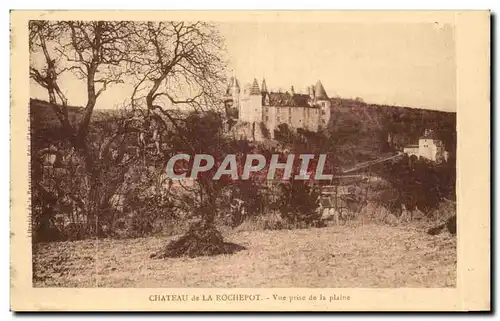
[323,102]
[263,91]
[263,88]
[251,104]
[233,87]
[319,91]
[255,88]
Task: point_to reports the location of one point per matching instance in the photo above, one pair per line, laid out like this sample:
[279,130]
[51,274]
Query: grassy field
[367,255]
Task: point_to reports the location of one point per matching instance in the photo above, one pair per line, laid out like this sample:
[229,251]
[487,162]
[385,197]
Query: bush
[265,131]
[389,199]
[420,184]
[299,202]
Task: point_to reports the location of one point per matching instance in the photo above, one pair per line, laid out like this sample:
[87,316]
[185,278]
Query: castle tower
[232,98]
[251,104]
[236,89]
[233,91]
[256,99]
[323,102]
[263,88]
[255,88]
[319,92]
[264,92]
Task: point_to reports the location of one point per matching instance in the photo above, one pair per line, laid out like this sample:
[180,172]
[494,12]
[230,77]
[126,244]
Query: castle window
[267,118]
[323,112]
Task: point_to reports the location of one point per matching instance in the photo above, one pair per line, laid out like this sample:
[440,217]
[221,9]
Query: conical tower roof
[233,84]
[255,88]
[319,91]
[264,86]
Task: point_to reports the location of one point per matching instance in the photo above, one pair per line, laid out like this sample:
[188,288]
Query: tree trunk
[91,101]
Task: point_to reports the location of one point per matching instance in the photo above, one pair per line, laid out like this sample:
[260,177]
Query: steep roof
[264,86]
[319,91]
[255,88]
[233,82]
[288,100]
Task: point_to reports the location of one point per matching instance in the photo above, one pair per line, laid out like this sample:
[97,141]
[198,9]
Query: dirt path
[363,256]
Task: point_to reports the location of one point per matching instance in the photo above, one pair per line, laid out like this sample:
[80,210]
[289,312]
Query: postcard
[250,161]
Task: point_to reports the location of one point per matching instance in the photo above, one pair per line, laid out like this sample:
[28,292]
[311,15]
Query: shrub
[418,183]
[299,202]
[265,131]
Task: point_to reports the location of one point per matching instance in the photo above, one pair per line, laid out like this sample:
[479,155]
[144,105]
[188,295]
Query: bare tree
[183,65]
[178,64]
[46,73]
[96,52]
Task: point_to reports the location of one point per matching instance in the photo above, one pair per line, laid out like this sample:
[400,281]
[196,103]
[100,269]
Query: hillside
[404,125]
[362,131]
[43,116]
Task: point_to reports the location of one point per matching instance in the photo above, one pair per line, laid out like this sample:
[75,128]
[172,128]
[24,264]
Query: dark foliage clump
[451,226]
[299,202]
[419,183]
[201,240]
[264,130]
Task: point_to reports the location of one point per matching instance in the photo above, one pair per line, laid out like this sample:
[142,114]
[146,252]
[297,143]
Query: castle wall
[311,119]
[295,117]
[325,113]
[251,108]
[270,120]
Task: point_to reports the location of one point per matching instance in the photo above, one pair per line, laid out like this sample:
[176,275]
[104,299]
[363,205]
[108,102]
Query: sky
[398,64]
[410,64]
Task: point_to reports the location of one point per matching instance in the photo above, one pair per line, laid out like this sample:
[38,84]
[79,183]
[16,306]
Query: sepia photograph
[246,153]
